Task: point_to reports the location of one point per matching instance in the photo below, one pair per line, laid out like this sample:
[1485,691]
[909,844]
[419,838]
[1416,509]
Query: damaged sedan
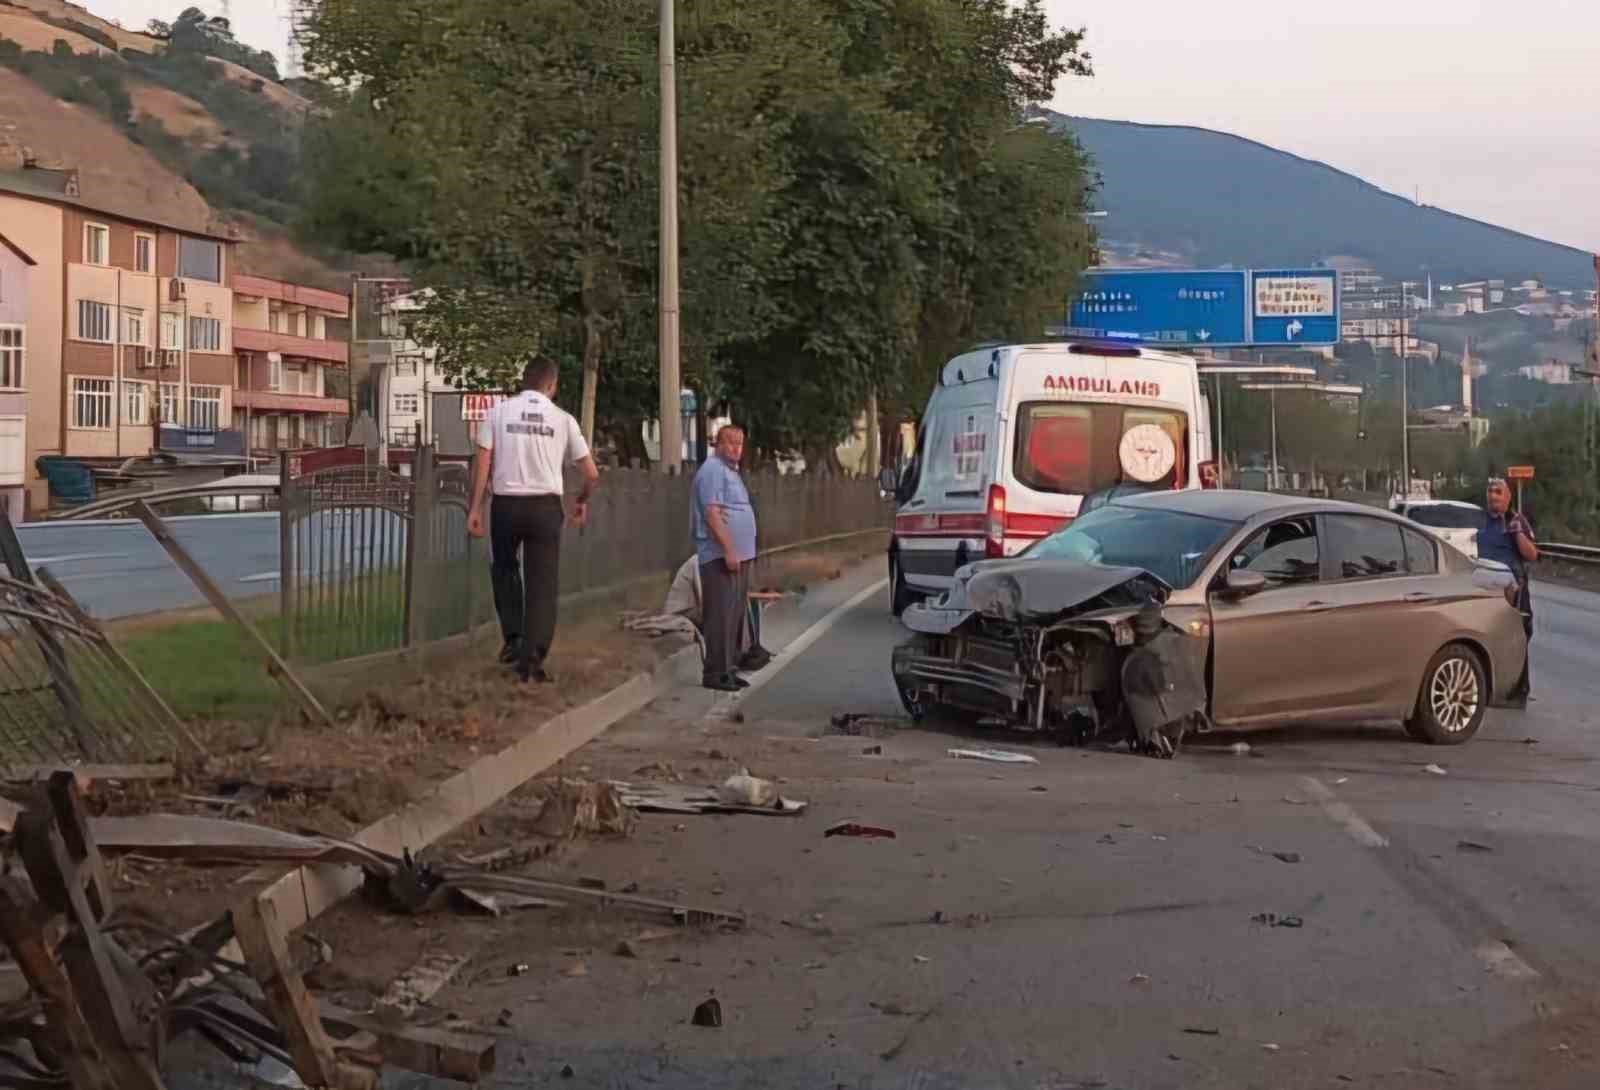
[1156,615]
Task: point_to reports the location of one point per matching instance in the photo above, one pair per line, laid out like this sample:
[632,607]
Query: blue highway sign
[1188,307]
[1294,307]
[1208,308]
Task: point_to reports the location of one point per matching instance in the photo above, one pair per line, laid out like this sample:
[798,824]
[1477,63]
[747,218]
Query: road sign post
[1519,474]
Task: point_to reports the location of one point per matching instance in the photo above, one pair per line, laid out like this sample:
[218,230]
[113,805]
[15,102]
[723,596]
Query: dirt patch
[38,36]
[276,93]
[61,9]
[179,114]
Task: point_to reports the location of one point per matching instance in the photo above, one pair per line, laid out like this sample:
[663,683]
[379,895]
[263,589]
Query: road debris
[861,725]
[1240,749]
[921,959]
[708,1014]
[745,790]
[1286,857]
[1270,1048]
[577,807]
[1472,846]
[671,799]
[856,828]
[1139,980]
[1341,781]
[1435,770]
[567,1072]
[1293,801]
[1272,919]
[575,971]
[1202,1031]
[499,905]
[519,969]
[998,756]
[872,751]
[626,949]
[1039,787]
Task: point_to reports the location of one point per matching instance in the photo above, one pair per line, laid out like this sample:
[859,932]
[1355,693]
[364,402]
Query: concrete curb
[306,892]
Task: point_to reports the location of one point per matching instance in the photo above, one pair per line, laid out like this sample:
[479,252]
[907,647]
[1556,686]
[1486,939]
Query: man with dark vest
[1506,537]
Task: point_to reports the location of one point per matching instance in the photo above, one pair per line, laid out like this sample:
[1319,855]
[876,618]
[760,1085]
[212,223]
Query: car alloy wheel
[1454,694]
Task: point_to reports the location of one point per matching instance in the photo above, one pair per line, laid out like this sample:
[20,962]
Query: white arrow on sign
[1204,334]
[1295,328]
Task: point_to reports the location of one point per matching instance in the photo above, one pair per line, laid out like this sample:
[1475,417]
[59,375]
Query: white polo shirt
[531,440]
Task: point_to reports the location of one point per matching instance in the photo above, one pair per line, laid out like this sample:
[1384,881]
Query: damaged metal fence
[67,695]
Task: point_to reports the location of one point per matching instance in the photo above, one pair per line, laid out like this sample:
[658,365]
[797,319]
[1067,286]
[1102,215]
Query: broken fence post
[187,564]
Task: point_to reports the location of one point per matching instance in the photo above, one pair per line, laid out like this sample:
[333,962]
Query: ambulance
[1016,436]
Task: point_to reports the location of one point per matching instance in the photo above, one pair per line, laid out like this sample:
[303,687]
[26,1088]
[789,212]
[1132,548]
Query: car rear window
[1075,449]
[1364,548]
[1443,516]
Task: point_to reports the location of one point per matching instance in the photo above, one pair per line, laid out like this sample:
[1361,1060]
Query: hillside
[1207,198]
[195,130]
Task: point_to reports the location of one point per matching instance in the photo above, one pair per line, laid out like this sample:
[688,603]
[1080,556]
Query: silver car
[1172,611]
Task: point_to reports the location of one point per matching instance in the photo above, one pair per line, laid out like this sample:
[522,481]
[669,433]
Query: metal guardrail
[1576,554]
[108,507]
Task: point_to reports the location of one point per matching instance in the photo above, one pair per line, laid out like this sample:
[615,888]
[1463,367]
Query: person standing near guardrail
[724,527]
[524,443]
[1506,537]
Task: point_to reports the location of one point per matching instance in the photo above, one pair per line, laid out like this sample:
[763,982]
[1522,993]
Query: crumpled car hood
[1029,590]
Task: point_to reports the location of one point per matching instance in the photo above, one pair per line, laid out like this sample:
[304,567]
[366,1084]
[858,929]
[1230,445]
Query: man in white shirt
[524,444]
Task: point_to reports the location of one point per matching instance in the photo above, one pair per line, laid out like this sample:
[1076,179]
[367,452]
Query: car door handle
[1419,596]
[1316,607]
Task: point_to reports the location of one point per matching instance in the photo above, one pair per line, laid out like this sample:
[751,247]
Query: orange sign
[1519,473]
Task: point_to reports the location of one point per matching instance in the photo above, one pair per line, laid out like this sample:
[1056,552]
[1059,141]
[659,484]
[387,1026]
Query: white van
[1016,435]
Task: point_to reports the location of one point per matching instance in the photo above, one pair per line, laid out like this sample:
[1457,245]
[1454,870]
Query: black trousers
[722,607]
[1525,605]
[525,596]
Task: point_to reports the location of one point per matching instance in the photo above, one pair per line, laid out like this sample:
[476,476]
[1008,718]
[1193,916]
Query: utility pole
[1405,396]
[671,382]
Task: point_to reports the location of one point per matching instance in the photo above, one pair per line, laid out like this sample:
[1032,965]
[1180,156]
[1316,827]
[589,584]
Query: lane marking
[793,650]
[1499,959]
[41,561]
[1341,812]
[1496,956]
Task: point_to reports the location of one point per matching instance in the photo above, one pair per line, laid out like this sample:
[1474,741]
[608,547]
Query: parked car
[1156,614]
[1454,521]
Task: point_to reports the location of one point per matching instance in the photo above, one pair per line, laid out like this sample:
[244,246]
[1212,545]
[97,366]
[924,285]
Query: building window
[132,325]
[205,334]
[171,404]
[11,357]
[406,364]
[405,404]
[96,244]
[205,407]
[94,321]
[91,403]
[171,330]
[144,253]
[135,403]
[199,259]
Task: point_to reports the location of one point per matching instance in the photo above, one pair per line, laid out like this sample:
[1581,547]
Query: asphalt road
[1093,920]
[1089,921]
[114,568]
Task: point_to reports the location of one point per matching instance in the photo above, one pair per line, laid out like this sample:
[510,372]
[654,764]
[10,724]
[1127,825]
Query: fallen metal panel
[181,836]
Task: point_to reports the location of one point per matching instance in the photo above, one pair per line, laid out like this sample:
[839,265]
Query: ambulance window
[1080,449]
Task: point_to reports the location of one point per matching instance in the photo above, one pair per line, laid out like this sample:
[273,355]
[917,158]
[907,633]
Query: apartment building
[130,343]
[411,383]
[15,272]
[293,376]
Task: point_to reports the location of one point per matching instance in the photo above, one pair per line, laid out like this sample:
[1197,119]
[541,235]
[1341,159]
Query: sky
[1482,107]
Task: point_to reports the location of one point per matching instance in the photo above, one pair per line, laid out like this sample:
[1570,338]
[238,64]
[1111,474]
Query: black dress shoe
[536,674]
[757,658]
[739,682]
[508,653]
[727,683]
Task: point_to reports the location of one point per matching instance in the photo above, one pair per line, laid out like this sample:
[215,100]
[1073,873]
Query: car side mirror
[1242,583]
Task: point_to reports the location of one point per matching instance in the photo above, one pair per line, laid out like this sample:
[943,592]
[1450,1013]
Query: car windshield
[1443,516]
[1170,545]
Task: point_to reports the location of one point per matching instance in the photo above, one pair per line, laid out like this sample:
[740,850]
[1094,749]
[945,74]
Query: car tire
[1453,699]
[899,594]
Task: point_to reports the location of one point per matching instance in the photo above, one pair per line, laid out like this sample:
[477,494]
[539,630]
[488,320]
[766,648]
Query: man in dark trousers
[1505,536]
[724,526]
[524,443]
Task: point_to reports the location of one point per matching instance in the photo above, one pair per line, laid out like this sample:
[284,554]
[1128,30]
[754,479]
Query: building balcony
[268,401]
[261,340]
[259,287]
